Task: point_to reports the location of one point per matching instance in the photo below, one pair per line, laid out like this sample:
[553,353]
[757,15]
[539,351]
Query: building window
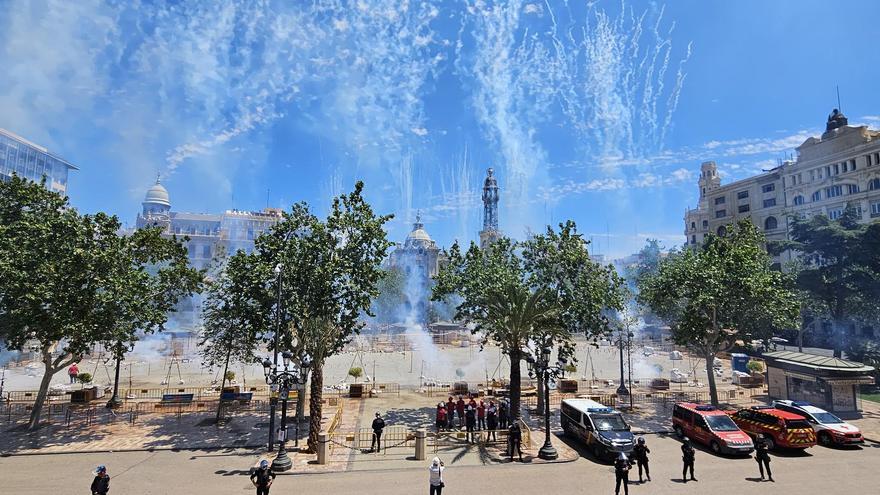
[868,160]
[835,213]
[206,251]
[722,230]
[742,195]
[812,175]
[817,196]
[769,202]
[833,191]
[852,164]
[693,239]
[852,188]
[874,184]
[720,200]
[798,200]
[771,223]
[693,225]
[720,213]
[875,209]
[768,188]
[705,224]
[827,171]
[836,168]
[743,208]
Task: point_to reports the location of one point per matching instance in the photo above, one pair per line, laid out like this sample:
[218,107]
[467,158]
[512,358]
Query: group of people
[472,415]
[639,456]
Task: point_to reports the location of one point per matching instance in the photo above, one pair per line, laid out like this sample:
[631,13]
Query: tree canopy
[724,291]
[537,291]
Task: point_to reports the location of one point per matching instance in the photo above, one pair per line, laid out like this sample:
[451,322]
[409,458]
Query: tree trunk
[49,372]
[317,385]
[515,383]
[223,383]
[837,338]
[710,372]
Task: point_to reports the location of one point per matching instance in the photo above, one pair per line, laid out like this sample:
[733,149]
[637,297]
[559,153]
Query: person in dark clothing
[471,424]
[481,416]
[621,474]
[378,426]
[101,483]
[491,421]
[450,412]
[514,437]
[262,478]
[459,409]
[503,412]
[640,455]
[687,456]
[762,455]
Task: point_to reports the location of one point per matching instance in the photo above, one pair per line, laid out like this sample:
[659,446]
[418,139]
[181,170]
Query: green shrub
[230,376]
[356,373]
[755,366]
[84,378]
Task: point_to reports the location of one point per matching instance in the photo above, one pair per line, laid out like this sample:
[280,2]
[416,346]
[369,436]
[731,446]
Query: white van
[600,427]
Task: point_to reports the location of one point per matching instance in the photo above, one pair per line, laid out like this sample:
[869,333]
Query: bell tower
[490,232]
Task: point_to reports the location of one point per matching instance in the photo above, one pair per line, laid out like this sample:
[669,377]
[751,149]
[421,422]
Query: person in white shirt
[436,476]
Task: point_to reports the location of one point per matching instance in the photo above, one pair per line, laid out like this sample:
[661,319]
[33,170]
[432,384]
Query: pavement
[819,470]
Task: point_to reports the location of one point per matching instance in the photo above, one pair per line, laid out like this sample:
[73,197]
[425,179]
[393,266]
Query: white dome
[157,194]
[418,235]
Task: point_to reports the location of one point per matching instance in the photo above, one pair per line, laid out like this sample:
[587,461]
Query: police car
[829,428]
[600,427]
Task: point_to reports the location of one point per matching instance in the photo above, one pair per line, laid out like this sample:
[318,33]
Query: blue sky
[596,111]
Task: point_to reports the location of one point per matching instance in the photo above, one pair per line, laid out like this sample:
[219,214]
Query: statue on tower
[490,231]
[836,120]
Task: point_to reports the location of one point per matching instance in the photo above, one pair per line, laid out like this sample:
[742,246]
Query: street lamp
[540,365]
[294,372]
[273,401]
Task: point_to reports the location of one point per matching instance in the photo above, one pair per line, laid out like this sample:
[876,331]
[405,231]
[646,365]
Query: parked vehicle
[600,427]
[829,428]
[711,427]
[780,428]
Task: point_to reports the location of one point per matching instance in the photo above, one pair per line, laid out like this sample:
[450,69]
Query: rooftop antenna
[838,99]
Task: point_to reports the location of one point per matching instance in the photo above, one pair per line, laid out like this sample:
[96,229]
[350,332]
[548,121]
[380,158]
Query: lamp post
[539,365]
[293,373]
[621,390]
[273,401]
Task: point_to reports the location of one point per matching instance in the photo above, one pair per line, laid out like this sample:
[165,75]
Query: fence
[664,398]
[134,394]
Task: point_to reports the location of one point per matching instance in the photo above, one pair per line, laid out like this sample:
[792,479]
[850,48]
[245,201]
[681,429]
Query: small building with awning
[826,382]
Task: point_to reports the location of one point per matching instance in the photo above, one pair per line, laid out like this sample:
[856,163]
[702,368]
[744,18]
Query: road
[820,470]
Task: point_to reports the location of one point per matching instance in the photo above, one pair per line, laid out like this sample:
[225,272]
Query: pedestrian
[471,423]
[459,406]
[491,421]
[514,439]
[441,416]
[262,478]
[762,455]
[378,426]
[687,456]
[503,409]
[73,373]
[101,483]
[481,416]
[640,455]
[436,476]
[450,411]
[621,474]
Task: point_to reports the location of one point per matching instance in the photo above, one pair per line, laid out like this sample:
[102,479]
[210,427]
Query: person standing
[441,416]
[459,406]
[378,425]
[687,456]
[450,411]
[640,455]
[514,437]
[101,483]
[471,424]
[762,455]
[621,474]
[263,477]
[502,415]
[73,373]
[481,416]
[491,421]
[435,478]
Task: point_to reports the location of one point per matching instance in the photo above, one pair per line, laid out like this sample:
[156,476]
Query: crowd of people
[472,416]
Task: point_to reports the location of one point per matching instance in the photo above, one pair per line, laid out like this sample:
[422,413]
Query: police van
[601,428]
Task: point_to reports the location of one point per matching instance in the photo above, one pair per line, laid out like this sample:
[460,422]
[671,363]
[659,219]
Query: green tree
[391,296]
[331,271]
[720,293]
[833,270]
[534,293]
[236,314]
[648,262]
[68,280]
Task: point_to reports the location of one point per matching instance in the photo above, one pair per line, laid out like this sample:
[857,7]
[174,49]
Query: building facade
[840,167]
[31,161]
[418,254]
[207,235]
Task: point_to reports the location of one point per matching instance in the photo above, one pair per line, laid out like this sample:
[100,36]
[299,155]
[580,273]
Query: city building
[23,158]
[840,167]
[207,235]
[418,254]
[490,232]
